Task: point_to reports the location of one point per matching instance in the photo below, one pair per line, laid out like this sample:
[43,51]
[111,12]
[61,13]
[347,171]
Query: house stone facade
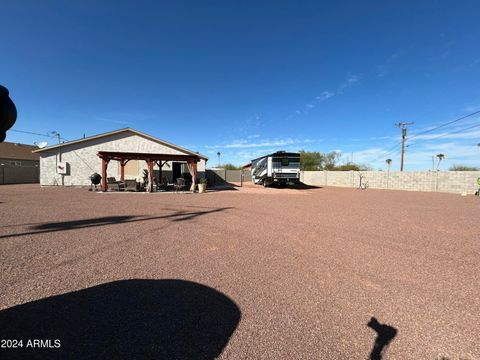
[81,158]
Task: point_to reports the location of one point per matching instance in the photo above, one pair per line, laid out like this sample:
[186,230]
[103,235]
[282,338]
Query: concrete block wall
[441,181]
[19,175]
[216,177]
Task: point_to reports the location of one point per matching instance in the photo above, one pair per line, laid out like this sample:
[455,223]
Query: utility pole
[57,135]
[403,126]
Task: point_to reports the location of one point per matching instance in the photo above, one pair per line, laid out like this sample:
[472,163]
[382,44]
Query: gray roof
[15,151]
[163,142]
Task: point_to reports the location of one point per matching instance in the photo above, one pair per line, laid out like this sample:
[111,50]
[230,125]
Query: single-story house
[18,164]
[72,163]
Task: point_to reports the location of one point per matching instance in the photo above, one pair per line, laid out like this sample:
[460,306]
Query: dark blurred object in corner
[8,112]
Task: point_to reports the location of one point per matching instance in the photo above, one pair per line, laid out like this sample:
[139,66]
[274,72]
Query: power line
[392,149]
[32,133]
[447,134]
[445,124]
[387,152]
[57,135]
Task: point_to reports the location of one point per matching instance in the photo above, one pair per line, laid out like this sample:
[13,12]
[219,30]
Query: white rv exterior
[280,167]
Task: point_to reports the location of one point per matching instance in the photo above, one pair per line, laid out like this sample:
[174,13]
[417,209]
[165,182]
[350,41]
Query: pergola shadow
[177,216]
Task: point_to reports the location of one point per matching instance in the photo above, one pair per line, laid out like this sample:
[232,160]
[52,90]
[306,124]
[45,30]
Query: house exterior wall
[83,160]
[441,181]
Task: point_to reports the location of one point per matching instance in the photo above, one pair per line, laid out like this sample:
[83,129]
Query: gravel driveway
[250,273]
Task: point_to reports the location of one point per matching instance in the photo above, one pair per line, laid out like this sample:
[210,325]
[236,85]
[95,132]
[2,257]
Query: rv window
[285,162]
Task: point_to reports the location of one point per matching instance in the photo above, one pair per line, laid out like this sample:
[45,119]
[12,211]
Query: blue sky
[249,77]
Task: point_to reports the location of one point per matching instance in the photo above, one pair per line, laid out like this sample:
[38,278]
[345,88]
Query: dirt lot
[251,273]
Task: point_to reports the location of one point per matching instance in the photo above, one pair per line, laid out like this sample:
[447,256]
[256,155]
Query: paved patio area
[250,273]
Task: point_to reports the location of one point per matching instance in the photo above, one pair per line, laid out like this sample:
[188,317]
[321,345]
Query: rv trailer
[280,168]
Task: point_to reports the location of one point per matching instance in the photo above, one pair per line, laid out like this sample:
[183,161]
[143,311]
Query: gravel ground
[250,273]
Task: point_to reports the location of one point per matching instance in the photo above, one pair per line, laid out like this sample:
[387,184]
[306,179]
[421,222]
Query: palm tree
[440,158]
[389,163]
[218,154]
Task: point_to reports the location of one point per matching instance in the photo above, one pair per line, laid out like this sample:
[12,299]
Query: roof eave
[117,132]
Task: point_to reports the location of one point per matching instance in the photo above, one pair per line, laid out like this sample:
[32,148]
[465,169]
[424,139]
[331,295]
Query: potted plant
[145,178]
[202,185]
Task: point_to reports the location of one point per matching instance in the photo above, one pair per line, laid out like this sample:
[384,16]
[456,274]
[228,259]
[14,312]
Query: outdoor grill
[95,178]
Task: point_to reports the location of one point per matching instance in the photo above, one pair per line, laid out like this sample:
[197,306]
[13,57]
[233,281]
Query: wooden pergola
[152,159]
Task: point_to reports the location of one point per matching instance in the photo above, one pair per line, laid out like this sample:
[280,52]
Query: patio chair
[131,185]
[179,184]
[163,184]
[113,184]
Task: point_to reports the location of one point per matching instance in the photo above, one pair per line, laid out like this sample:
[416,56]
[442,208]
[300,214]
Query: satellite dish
[42,144]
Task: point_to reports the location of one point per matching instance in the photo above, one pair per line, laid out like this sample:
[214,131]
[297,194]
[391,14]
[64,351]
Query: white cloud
[244,144]
[472,108]
[114,121]
[248,144]
[351,80]
[252,124]
[324,96]
[382,73]
[384,68]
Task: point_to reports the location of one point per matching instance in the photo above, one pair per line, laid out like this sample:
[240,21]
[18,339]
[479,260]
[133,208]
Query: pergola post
[150,175]
[160,165]
[193,170]
[122,171]
[104,174]
[123,162]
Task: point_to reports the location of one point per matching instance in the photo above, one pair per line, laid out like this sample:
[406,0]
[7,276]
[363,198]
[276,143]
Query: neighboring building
[79,158]
[18,164]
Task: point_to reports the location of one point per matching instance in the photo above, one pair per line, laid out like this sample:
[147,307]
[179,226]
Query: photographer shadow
[385,334]
[142,319]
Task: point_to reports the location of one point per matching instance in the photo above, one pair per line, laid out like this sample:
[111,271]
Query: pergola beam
[124,156]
